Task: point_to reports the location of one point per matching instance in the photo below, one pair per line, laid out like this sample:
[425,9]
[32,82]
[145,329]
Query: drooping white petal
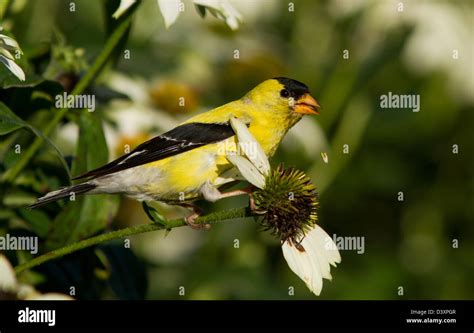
[6,54]
[8,42]
[324,241]
[223,10]
[312,264]
[303,265]
[312,246]
[169,10]
[123,7]
[231,14]
[13,67]
[323,246]
[8,280]
[247,169]
[208,3]
[250,146]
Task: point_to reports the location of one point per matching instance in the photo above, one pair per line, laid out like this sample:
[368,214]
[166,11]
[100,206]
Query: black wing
[178,140]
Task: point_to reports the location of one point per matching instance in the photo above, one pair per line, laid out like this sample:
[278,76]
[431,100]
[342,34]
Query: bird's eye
[284,93]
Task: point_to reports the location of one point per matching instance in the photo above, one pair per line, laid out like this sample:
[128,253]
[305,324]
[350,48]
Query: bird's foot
[191,218]
[248,191]
[252,205]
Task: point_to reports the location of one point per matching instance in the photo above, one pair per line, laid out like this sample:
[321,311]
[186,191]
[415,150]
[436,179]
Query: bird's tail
[63,193]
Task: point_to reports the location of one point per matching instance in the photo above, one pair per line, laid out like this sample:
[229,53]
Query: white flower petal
[230,10]
[312,246]
[312,264]
[7,275]
[13,67]
[9,283]
[250,146]
[25,291]
[9,42]
[247,169]
[123,7]
[169,10]
[208,3]
[223,10]
[303,265]
[232,16]
[324,241]
[232,22]
[6,54]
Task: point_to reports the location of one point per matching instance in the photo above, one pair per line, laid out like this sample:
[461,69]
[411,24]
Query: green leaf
[6,214]
[37,219]
[90,214]
[92,151]
[10,122]
[153,214]
[16,197]
[81,218]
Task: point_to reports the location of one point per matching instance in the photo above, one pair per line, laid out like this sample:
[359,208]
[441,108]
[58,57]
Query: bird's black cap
[296,88]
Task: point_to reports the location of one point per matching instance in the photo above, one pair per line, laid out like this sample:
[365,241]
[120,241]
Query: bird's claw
[191,221]
[191,218]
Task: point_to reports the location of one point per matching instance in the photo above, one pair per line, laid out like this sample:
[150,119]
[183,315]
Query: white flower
[8,44]
[309,258]
[170,10]
[10,285]
[254,166]
[223,10]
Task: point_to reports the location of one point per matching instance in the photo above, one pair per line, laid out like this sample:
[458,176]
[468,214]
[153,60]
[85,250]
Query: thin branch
[212,218]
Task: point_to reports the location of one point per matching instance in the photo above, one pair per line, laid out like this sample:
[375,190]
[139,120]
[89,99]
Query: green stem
[207,219]
[85,81]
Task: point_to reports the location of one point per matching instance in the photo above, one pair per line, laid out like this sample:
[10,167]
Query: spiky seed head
[288,204]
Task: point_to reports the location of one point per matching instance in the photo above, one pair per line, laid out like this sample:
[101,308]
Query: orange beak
[306,104]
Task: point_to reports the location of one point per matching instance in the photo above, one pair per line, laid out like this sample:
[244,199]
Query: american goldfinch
[189,162]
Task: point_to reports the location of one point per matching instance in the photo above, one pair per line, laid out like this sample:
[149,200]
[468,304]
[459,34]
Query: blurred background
[349,53]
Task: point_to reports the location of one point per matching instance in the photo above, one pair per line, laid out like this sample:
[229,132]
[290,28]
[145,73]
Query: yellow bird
[189,162]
